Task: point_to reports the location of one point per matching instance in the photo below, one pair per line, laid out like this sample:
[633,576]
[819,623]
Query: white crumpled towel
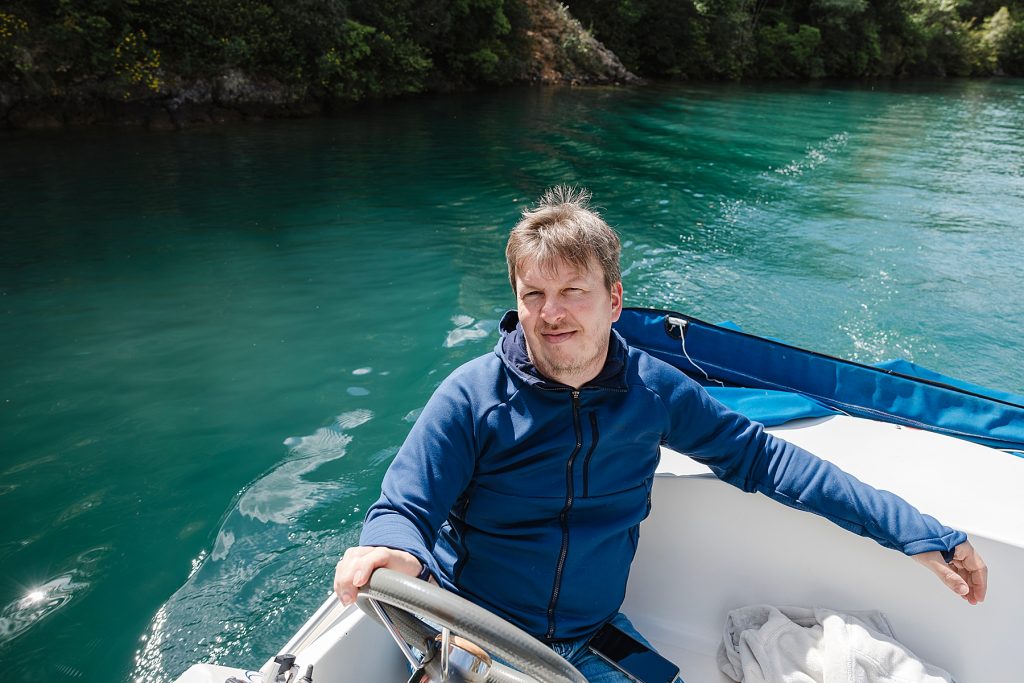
[765,644]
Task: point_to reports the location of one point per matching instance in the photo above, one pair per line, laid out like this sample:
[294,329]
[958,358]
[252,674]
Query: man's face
[567,316]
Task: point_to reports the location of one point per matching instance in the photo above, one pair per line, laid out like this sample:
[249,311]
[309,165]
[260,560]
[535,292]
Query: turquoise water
[215,340]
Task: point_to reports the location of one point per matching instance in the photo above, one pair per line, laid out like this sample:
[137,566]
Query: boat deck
[709,548]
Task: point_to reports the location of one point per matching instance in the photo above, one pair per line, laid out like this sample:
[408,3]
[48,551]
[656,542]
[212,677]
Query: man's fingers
[358,564]
[364,566]
[979,583]
[972,568]
[354,570]
[958,584]
[966,575]
[946,573]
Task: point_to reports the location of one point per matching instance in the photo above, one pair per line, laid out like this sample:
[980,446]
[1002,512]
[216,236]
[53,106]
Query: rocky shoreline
[231,97]
[559,49]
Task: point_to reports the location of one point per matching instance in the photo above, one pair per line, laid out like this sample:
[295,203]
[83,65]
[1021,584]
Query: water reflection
[36,604]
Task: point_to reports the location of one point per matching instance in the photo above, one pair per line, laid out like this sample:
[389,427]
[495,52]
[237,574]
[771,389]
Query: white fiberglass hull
[708,548]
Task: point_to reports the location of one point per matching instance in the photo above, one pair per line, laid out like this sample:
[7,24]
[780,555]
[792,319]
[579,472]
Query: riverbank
[170,66]
[552,48]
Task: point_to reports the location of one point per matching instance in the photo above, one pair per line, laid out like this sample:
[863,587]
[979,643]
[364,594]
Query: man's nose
[552,309]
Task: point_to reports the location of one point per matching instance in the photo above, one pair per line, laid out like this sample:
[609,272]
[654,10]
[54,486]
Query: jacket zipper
[459,526]
[590,453]
[564,515]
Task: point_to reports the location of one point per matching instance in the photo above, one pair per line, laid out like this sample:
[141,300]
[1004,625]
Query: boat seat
[709,548]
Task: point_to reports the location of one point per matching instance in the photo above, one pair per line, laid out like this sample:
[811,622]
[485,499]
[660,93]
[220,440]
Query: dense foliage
[344,49]
[356,49]
[810,38]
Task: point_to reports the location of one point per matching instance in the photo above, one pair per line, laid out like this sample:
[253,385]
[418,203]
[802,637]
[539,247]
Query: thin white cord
[681,324]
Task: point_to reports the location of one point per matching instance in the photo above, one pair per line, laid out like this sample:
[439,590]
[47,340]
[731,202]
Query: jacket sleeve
[740,452]
[431,470]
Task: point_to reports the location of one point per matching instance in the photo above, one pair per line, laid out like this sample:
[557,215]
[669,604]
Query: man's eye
[531,295]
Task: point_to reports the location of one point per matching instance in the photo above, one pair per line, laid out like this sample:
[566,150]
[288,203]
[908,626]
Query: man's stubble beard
[570,368]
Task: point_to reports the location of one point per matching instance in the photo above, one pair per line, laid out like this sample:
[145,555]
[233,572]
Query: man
[523,482]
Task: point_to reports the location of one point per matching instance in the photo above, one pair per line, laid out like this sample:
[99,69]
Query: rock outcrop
[562,51]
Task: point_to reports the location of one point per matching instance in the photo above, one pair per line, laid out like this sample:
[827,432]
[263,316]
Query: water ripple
[353,418]
[36,604]
[284,493]
[468,329]
[815,156]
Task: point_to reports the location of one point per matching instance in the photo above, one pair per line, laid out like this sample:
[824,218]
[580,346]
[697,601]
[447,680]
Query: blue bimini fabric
[769,407]
[898,392]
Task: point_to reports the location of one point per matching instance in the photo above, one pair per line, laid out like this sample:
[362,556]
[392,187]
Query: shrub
[782,53]
[14,57]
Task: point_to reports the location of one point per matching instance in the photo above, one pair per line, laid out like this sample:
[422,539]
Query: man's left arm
[741,453]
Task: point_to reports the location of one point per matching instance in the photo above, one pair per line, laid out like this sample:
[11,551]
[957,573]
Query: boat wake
[815,156]
[266,553]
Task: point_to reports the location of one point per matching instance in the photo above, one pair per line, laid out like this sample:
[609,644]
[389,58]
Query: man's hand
[966,575]
[355,568]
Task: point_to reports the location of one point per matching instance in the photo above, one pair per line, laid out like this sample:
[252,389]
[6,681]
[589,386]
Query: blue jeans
[593,668]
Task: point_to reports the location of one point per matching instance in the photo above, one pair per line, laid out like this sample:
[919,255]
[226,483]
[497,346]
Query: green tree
[659,38]
[1005,37]
[782,53]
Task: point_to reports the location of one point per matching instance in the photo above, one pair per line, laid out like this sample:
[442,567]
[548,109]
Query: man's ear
[616,300]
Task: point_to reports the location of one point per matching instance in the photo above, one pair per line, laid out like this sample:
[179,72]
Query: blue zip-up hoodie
[526,496]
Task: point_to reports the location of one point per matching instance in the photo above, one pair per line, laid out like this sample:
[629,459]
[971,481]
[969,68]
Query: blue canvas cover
[790,382]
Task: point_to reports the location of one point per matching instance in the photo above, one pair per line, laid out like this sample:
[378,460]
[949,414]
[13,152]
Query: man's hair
[563,227]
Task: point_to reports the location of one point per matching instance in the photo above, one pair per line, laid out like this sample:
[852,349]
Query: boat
[952,449]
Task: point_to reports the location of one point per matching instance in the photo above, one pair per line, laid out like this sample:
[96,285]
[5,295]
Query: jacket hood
[511,349]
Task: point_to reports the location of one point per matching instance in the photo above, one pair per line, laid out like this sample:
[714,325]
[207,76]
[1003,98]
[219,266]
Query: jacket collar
[511,349]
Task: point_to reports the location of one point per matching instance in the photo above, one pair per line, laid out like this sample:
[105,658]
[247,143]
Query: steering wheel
[408,601]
